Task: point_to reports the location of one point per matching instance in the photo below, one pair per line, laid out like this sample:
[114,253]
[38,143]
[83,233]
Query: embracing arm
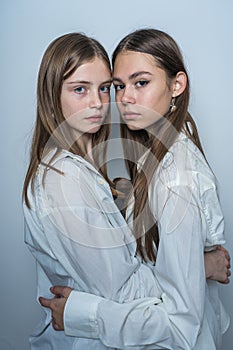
[88,236]
[217,267]
[174,319]
[149,322]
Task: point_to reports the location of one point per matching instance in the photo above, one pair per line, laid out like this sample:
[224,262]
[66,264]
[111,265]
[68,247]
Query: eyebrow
[87,82]
[133,76]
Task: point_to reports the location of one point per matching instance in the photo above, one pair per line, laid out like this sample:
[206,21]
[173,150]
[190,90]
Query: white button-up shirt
[80,239]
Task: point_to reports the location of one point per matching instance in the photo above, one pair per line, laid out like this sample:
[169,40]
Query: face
[85,97]
[142,91]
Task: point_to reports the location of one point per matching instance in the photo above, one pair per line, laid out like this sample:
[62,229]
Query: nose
[128,95]
[95,100]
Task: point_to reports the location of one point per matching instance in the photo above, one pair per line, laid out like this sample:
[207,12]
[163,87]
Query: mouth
[95,119]
[130,115]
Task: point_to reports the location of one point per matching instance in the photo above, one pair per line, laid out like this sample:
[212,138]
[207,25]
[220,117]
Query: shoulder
[185,165]
[65,176]
[61,161]
[185,155]
[72,173]
[183,147]
[65,165]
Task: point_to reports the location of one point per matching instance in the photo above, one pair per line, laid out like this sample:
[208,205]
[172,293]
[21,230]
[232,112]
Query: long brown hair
[168,57]
[62,57]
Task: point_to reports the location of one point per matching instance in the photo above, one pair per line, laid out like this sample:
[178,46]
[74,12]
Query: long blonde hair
[168,57]
[62,57]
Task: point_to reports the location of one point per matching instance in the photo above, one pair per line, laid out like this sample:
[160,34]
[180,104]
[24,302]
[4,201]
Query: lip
[95,118]
[130,115]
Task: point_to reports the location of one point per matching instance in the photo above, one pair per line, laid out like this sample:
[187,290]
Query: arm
[149,322]
[180,266]
[217,267]
[150,319]
[87,235]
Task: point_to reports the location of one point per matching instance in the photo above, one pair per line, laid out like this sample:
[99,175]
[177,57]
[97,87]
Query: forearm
[143,323]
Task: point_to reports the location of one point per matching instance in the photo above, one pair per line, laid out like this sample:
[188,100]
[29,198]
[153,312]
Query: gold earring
[172,105]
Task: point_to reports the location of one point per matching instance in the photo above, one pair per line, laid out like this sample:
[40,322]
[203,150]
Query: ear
[179,84]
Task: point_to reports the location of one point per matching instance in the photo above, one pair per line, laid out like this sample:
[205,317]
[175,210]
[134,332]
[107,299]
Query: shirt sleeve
[174,321]
[81,309]
[211,206]
[88,236]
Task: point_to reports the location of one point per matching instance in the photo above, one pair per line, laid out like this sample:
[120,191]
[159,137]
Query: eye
[105,89]
[79,90]
[141,83]
[119,87]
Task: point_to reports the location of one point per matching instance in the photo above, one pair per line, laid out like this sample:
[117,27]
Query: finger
[45,302]
[225,251]
[227,281]
[57,290]
[55,326]
[61,291]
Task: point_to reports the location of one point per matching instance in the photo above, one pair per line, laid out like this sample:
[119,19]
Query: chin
[134,127]
[94,130]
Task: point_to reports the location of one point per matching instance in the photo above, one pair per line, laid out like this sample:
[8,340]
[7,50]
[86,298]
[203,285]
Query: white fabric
[183,198]
[79,238]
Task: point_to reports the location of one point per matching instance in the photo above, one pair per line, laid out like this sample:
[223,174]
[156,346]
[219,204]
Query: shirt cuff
[80,315]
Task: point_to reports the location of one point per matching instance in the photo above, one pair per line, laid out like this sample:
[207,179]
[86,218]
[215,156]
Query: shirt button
[101,181]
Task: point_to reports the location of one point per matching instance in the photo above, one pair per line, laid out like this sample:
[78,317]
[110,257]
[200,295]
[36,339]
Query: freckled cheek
[70,110]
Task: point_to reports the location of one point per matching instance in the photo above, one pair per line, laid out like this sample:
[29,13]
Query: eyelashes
[142,83]
[138,84]
[80,90]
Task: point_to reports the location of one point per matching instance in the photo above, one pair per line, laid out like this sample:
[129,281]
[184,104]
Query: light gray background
[203,29]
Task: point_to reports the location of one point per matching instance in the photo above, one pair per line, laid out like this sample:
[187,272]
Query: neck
[84,142]
[88,146]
